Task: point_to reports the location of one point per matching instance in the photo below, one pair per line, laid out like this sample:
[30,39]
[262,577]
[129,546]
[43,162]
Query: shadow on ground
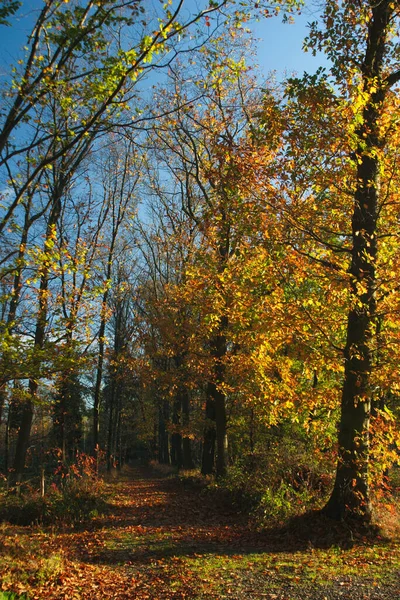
[153,518]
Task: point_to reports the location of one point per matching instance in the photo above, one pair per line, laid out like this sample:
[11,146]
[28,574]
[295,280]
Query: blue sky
[279,49]
[280,46]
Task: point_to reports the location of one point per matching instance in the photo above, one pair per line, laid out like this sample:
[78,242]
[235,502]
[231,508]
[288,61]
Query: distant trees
[76,83]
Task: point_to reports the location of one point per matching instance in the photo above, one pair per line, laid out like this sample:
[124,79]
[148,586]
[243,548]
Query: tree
[216,159]
[58,184]
[69,56]
[120,179]
[365,71]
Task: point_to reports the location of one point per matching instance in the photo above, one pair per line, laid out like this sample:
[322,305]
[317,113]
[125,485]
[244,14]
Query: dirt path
[166,540]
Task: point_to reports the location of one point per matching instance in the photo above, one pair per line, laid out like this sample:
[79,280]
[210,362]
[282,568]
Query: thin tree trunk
[7,444]
[163,435]
[208,453]
[176,438]
[219,350]
[187,458]
[40,334]
[110,449]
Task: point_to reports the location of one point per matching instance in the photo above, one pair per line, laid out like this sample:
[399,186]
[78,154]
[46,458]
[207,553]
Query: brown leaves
[165,540]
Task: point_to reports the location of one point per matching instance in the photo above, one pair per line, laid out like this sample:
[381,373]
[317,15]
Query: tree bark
[163,436]
[186,444]
[351,496]
[176,437]
[219,350]
[208,453]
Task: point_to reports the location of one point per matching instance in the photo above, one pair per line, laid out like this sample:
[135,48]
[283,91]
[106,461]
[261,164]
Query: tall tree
[120,178]
[58,184]
[215,157]
[360,42]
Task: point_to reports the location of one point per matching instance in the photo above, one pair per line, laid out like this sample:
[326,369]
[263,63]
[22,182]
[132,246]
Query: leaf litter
[164,540]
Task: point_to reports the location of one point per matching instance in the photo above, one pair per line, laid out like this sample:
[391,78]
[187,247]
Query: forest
[199,276]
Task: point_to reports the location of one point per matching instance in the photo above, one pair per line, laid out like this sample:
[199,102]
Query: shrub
[79,500]
[75,495]
[21,509]
[281,479]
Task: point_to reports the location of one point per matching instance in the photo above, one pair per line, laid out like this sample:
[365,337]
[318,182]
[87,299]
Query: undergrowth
[74,495]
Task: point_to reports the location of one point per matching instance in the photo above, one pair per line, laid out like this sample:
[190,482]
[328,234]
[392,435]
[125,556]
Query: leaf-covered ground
[165,540]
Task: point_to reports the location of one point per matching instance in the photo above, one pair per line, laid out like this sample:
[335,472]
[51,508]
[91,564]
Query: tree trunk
[111,428]
[221,433]
[7,444]
[176,438]
[350,496]
[40,334]
[97,389]
[24,435]
[208,454]
[2,400]
[163,436]
[186,444]
[219,350]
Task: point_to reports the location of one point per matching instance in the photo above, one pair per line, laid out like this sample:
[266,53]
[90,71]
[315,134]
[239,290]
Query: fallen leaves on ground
[164,540]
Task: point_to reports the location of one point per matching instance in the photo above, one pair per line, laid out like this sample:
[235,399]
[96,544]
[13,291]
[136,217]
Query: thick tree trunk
[350,496]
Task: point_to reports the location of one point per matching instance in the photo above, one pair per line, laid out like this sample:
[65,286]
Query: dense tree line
[200,274]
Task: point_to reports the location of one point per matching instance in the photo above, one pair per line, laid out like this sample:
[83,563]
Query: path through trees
[169,539]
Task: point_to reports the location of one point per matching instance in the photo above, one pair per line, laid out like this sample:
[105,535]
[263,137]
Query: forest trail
[163,539]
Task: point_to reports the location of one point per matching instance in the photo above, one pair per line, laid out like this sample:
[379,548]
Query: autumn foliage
[207,279]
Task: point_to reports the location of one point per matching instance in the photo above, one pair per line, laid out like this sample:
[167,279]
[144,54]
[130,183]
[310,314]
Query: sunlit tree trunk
[351,494]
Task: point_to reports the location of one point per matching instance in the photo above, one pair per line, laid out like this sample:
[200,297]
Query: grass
[151,542]
[321,567]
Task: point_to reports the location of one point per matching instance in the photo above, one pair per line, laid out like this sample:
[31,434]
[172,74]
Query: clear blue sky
[280,46]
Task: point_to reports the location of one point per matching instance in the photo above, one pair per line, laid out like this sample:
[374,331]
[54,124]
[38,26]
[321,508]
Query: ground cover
[162,539]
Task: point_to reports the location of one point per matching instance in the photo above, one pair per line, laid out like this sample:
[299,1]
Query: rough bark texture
[350,496]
